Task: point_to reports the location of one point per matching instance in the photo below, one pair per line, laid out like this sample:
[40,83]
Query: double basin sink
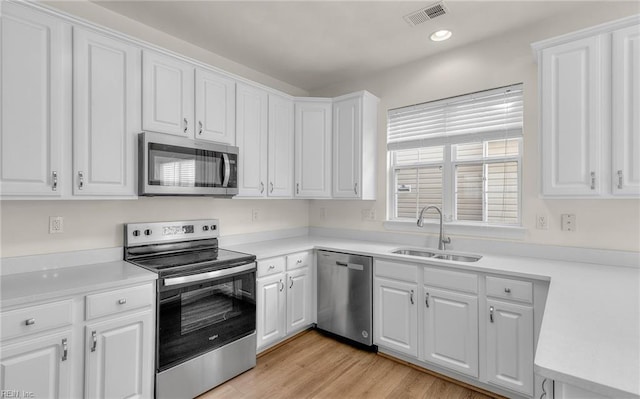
[437,255]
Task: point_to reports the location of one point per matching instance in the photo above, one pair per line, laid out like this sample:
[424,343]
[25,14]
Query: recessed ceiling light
[440,35]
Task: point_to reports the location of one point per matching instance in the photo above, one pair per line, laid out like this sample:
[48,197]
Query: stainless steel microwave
[172,165]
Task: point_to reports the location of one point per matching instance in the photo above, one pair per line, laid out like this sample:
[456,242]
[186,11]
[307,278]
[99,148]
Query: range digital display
[177,230]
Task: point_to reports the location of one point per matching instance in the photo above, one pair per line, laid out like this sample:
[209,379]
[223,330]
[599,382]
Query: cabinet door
[280,147]
[120,357]
[40,366]
[313,149]
[626,118]
[107,114]
[510,346]
[572,106]
[167,95]
[347,145]
[298,299]
[35,106]
[451,330]
[396,316]
[251,138]
[215,107]
[271,309]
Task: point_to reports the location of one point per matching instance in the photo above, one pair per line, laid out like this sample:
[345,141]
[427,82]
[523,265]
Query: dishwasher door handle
[345,264]
[352,266]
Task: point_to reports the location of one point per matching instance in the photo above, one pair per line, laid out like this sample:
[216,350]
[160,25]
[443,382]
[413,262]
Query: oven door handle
[209,275]
[227,170]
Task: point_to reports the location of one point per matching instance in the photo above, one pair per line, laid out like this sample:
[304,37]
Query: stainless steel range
[206,304]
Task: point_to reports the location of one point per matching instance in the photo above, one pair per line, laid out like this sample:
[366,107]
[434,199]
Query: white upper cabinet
[626,115]
[354,146]
[572,111]
[589,124]
[107,114]
[280,147]
[313,148]
[251,138]
[35,105]
[215,107]
[167,95]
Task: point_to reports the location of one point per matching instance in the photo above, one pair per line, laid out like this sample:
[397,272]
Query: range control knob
[205,228]
[147,232]
[214,227]
[136,233]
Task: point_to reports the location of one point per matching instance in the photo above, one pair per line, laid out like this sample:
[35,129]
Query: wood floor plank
[315,366]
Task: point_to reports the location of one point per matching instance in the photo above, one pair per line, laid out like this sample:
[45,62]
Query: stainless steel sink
[414,252]
[437,255]
[458,258]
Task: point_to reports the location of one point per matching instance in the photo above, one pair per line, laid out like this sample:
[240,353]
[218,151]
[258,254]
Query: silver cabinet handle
[299,261]
[30,322]
[122,301]
[426,299]
[355,188]
[65,349]
[271,185]
[200,126]
[291,280]
[271,267]
[297,188]
[281,285]
[411,297]
[54,186]
[491,314]
[507,290]
[593,180]
[94,341]
[619,180]
[261,187]
[186,125]
[80,180]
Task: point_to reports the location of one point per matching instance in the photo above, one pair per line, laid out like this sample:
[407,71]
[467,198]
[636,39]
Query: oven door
[198,313]
[177,166]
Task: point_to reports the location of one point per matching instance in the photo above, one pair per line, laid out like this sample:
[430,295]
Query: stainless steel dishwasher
[345,296]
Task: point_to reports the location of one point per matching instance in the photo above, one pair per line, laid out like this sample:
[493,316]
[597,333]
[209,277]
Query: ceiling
[313,44]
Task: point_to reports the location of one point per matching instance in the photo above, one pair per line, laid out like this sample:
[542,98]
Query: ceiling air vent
[426,14]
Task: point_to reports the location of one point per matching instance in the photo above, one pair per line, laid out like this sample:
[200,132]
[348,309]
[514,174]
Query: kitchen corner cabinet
[285,297]
[588,120]
[251,137]
[35,102]
[354,146]
[107,114]
[313,148]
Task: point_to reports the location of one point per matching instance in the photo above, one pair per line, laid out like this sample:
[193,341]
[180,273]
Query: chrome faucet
[441,240]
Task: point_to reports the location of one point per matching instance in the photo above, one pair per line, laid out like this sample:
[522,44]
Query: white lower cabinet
[450,334]
[40,366]
[285,299]
[395,315]
[119,358]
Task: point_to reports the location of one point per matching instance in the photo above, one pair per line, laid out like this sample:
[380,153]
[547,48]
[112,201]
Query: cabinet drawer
[515,290]
[396,270]
[298,260]
[107,303]
[36,319]
[270,266]
[460,281]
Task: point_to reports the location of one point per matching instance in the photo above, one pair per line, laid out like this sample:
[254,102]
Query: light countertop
[590,333]
[42,285]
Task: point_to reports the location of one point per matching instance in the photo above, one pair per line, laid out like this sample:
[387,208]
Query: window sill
[475,230]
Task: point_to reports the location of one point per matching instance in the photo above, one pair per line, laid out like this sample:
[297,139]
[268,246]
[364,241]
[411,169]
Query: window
[462,154]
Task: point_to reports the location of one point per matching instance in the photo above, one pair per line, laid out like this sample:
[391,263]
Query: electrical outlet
[368,214]
[542,222]
[323,213]
[255,215]
[56,224]
[568,222]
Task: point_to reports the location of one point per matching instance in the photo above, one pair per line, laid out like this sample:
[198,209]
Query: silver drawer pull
[507,290]
[186,125]
[54,186]
[122,301]
[65,349]
[281,285]
[491,313]
[271,267]
[80,180]
[200,125]
[271,185]
[299,261]
[94,341]
[426,300]
[291,280]
[411,297]
[30,322]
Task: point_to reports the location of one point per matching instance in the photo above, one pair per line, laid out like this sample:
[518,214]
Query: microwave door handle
[227,169]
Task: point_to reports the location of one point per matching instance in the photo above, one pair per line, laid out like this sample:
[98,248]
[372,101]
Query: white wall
[499,61]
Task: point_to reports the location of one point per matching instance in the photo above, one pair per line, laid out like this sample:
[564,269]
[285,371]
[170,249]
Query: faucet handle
[446,240]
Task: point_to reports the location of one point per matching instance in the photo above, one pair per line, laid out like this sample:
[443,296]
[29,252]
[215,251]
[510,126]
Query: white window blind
[486,115]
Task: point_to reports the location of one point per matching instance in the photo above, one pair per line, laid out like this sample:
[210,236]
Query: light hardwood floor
[314,366]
